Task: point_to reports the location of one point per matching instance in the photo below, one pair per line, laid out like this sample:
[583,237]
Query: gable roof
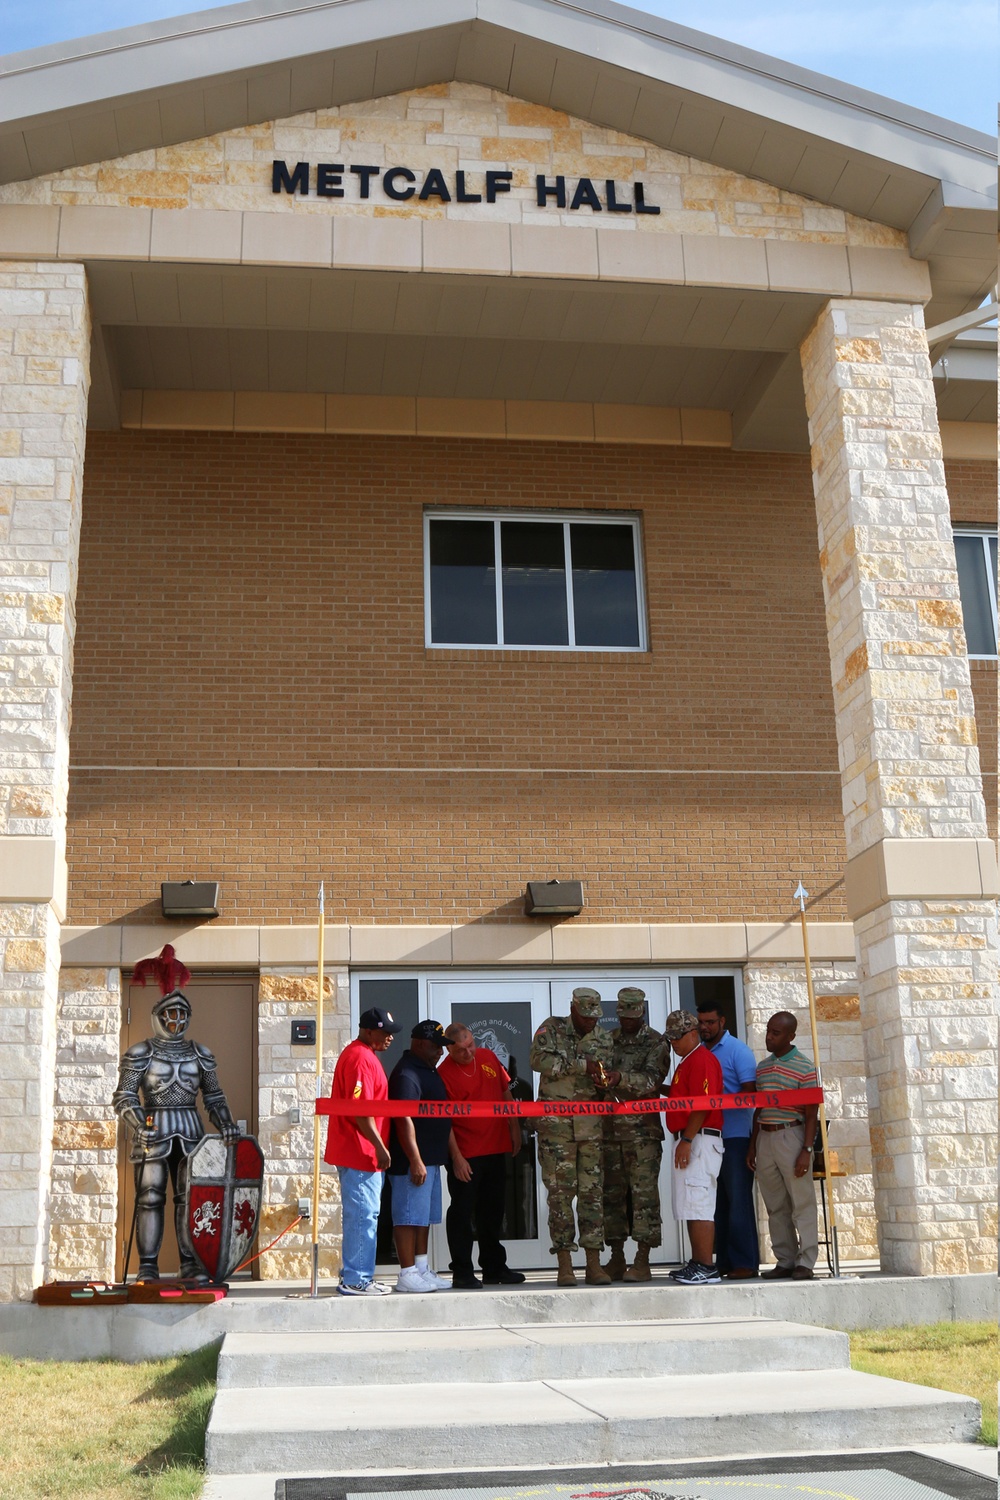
[131,90]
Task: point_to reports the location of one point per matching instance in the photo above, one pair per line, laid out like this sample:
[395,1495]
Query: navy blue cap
[378,1019]
[429,1031]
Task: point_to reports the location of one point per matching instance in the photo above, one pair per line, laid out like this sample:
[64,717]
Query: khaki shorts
[693,1194]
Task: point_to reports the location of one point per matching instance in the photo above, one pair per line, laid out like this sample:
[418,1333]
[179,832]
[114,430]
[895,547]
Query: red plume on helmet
[168,971]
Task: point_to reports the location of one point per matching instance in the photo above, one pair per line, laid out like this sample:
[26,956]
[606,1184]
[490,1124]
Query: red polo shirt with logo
[358,1075]
[697,1074]
[484,1078]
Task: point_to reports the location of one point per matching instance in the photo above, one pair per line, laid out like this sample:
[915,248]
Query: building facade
[445,454]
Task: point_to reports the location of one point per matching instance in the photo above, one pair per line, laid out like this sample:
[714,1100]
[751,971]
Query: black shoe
[778,1273]
[506,1277]
[468,1283]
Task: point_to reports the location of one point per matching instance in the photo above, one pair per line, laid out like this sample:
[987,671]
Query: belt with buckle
[706,1131]
[784,1125]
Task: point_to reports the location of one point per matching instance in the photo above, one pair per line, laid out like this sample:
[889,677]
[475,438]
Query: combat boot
[565,1276]
[596,1274]
[615,1267]
[639,1269]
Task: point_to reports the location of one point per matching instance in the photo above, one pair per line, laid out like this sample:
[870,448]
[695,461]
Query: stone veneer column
[287,1082]
[44,374]
[919,869]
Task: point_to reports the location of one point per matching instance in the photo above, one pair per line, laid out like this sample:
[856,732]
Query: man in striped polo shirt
[781,1154]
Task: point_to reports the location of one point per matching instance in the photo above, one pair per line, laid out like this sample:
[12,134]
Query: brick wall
[257,602]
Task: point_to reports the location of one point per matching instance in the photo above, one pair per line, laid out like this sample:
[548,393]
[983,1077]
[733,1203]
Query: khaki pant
[790,1201]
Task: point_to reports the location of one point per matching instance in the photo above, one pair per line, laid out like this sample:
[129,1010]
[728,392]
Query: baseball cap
[679,1023]
[378,1019]
[631,1001]
[429,1031]
[587,1001]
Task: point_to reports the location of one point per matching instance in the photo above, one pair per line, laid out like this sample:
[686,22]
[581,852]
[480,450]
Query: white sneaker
[364,1289]
[434,1282]
[412,1280]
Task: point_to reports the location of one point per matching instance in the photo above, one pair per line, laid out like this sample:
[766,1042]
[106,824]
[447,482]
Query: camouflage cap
[631,1001]
[587,1001]
[679,1023]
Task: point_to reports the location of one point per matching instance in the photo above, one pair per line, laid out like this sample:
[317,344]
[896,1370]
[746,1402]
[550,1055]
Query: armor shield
[222,1201]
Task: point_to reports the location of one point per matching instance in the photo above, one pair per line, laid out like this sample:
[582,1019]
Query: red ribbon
[517,1109]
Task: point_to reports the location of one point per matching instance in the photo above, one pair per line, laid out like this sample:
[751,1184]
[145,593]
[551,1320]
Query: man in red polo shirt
[471,1072]
[698,1149]
[355,1145]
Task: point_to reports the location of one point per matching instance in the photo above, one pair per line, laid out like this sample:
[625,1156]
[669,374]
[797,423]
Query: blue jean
[736,1245]
[361,1198]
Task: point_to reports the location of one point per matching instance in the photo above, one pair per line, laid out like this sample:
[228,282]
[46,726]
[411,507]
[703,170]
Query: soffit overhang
[132,90]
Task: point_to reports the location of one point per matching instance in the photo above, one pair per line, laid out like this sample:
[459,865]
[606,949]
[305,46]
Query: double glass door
[503,1012]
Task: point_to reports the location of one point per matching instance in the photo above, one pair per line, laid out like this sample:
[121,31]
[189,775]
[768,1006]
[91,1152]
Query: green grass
[959,1357]
[103,1430]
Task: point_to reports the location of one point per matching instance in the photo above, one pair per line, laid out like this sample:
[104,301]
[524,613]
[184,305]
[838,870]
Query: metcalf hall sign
[400,185]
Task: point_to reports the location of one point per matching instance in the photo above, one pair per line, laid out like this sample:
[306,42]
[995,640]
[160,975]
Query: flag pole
[314,1282]
[800,896]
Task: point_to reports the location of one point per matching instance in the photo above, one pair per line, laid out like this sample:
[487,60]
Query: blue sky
[937,54]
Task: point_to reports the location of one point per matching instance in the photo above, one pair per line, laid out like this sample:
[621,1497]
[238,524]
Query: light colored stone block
[94,233]
[655,258]
[554,252]
[559,421]
[502,942]
[196,234]
[280,411]
[697,942]
[28,230]
[889,273]
[130,409]
[637,424]
[201,945]
[32,868]
[450,245]
[100,947]
[793,266]
[709,261]
[271,239]
[703,428]
[591,942]
[969,440]
[298,945]
[445,417]
[400,945]
[389,414]
[190,411]
[377,244]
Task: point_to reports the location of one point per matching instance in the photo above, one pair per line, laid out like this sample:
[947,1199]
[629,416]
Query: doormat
[856,1476]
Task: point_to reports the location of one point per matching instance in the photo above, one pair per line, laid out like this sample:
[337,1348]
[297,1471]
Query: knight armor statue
[157,1096]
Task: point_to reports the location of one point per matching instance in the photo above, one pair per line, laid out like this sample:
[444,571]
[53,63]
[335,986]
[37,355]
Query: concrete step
[528,1352]
[436,1426]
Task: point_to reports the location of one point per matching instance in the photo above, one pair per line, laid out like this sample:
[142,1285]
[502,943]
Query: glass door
[503,1015]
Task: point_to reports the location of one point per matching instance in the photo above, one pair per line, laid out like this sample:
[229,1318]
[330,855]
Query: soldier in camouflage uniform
[633,1144]
[573,1056]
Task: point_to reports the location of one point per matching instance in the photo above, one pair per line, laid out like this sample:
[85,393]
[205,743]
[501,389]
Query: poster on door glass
[504,1026]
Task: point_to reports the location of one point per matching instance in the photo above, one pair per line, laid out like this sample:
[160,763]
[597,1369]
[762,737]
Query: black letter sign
[298,182]
[389,183]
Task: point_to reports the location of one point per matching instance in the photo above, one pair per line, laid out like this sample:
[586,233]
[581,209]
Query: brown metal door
[224,1019]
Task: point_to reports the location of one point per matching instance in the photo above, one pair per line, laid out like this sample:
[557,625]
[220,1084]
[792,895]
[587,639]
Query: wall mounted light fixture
[190,898]
[554,898]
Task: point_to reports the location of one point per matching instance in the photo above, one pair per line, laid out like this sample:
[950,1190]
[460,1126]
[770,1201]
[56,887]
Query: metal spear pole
[314,1283]
[800,896]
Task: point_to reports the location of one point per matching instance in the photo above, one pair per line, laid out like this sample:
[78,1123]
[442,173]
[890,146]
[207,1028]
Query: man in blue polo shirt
[737,1248]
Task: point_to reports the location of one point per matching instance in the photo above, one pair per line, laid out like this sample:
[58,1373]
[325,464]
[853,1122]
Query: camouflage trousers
[633,1164]
[572,1169]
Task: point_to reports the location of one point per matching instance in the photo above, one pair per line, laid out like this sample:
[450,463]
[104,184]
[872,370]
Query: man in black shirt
[418,1150]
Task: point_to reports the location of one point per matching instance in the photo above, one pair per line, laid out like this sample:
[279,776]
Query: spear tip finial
[800,894]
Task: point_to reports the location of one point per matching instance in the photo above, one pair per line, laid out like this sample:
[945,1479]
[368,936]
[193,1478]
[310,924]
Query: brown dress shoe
[742,1273]
[778,1273]
[802,1273]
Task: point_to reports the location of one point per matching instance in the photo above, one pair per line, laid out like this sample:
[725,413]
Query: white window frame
[567,518]
[985,533]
